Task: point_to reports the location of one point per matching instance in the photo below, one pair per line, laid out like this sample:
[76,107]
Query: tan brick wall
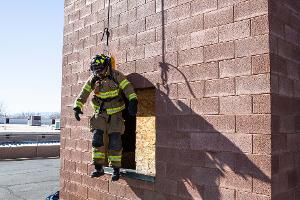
[215,67]
[285,78]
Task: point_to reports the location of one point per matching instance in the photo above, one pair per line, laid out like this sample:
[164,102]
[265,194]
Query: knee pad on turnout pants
[115,141]
[98,138]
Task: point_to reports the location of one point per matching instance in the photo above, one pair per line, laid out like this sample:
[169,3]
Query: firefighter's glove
[132,107]
[77,111]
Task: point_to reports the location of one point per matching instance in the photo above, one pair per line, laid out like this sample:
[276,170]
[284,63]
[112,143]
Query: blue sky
[31,39]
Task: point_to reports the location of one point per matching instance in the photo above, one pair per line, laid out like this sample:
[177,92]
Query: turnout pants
[107,142]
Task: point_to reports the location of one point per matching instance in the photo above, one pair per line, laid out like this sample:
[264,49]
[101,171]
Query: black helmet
[99,63]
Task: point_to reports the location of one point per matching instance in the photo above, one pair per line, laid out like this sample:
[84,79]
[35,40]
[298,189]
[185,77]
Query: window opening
[139,138]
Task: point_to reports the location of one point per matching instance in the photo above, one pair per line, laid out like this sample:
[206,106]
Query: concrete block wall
[285,77]
[33,151]
[217,87]
[14,146]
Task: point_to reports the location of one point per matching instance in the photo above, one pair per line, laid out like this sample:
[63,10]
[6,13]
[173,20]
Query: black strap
[101,109]
[103,101]
[106,100]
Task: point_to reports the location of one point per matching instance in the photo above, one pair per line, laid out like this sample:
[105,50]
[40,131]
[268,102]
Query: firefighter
[109,87]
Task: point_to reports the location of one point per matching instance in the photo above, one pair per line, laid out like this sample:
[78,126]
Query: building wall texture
[285,102]
[227,79]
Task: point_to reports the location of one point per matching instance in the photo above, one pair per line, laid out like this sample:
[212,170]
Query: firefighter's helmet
[100,63]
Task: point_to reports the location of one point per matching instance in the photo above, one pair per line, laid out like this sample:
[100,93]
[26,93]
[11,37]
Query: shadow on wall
[193,159]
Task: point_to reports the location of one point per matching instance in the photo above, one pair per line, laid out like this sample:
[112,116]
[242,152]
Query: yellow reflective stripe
[78,104]
[111,111]
[98,154]
[115,158]
[123,84]
[110,94]
[99,61]
[87,87]
[95,107]
[132,96]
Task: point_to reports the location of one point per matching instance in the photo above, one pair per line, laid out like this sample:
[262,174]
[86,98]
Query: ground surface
[29,179]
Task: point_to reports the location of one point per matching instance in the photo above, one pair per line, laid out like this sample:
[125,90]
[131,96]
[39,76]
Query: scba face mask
[99,64]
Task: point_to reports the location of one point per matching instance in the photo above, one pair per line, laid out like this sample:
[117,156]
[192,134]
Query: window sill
[130,173]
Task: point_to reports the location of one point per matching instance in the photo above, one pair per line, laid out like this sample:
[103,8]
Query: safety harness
[110,75]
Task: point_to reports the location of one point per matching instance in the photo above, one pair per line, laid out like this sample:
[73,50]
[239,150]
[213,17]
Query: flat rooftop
[29,179]
[26,129]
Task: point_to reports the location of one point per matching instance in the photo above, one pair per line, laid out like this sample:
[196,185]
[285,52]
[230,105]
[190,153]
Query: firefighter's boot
[116,174]
[99,171]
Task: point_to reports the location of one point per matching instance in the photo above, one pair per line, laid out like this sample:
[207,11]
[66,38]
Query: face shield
[98,69]
[99,65]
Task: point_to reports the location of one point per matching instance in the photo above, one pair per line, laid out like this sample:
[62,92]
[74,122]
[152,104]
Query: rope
[106,30]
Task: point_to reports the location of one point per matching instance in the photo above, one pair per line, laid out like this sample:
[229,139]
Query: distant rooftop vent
[57,124]
[34,121]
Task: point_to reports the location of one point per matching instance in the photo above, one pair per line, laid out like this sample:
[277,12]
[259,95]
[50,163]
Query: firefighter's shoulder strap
[112,76]
[94,80]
